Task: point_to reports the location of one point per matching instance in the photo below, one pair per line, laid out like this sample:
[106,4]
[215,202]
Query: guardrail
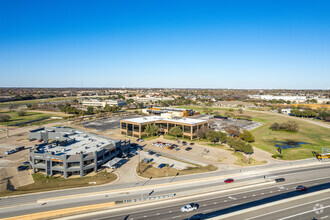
[144,199]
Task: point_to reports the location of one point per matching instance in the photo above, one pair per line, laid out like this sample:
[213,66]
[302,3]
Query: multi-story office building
[136,126]
[103,103]
[72,152]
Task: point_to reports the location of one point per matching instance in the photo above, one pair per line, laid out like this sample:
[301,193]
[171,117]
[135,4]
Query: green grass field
[14,118]
[316,136]
[25,102]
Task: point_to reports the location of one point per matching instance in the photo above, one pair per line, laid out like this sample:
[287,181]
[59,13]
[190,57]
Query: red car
[229,180]
[301,188]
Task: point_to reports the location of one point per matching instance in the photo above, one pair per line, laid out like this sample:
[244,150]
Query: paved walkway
[127,173]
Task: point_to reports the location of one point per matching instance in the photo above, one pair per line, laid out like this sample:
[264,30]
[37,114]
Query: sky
[254,44]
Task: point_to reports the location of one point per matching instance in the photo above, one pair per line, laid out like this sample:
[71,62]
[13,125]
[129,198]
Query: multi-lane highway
[310,175]
[217,204]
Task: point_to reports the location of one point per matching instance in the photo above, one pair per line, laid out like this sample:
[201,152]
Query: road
[29,203]
[217,205]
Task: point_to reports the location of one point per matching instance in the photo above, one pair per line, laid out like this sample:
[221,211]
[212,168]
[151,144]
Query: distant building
[167,112]
[296,99]
[103,103]
[136,126]
[234,104]
[72,152]
[151,99]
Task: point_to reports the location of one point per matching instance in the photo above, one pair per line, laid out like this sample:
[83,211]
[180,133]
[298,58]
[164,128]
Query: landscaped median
[44,183]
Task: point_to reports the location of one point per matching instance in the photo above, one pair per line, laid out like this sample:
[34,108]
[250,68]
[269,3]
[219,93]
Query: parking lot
[221,124]
[108,123]
[10,178]
[158,159]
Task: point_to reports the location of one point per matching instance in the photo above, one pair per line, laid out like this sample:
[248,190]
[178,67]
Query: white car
[190,207]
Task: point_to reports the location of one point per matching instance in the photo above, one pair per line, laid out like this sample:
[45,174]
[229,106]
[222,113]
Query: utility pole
[139,161]
[7,131]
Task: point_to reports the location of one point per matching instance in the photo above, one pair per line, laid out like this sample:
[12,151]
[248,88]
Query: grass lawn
[25,102]
[147,170]
[43,183]
[242,162]
[14,118]
[265,139]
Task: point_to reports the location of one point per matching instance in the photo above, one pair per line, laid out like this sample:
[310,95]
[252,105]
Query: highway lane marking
[160,202]
[302,213]
[204,205]
[271,191]
[215,203]
[235,204]
[324,217]
[292,207]
[249,210]
[208,210]
[158,214]
[145,216]
[169,211]
[262,193]
[225,200]
[253,195]
[178,216]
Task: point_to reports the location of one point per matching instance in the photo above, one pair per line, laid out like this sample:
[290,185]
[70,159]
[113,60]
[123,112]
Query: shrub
[277,156]
[4,118]
[285,126]
[21,113]
[247,136]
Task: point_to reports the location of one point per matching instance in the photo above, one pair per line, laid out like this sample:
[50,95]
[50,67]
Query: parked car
[190,207]
[151,152]
[10,152]
[192,143]
[158,155]
[229,180]
[301,188]
[27,163]
[140,140]
[19,148]
[40,140]
[23,167]
[188,149]
[161,165]
[177,149]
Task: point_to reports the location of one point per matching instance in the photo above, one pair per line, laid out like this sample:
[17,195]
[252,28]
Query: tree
[222,137]
[285,126]
[151,130]
[90,110]
[4,118]
[201,133]
[247,136]
[212,135]
[175,131]
[233,130]
[75,101]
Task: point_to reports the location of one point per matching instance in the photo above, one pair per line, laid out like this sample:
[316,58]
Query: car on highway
[188,149]
[301,188]
[161,165]
[10,152]
[280,180]
[23,167]
[229,180]
[190,207]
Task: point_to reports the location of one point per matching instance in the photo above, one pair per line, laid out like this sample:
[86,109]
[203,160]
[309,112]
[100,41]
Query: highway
[218,204]
[22,205]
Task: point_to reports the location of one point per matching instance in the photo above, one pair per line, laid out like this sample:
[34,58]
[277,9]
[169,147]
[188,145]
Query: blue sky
[172,43]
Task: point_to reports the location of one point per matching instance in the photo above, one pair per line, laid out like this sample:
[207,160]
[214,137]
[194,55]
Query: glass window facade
[187,129]
[123,125]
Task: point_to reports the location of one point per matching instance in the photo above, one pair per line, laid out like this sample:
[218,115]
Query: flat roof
[148,119]
[84,143]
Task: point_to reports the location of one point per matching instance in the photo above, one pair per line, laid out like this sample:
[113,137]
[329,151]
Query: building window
[194,129]
[130,127]
[136,128]
[187,129]
[123,125]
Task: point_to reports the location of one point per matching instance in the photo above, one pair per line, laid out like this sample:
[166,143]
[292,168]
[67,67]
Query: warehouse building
[72,152]
[136,126]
